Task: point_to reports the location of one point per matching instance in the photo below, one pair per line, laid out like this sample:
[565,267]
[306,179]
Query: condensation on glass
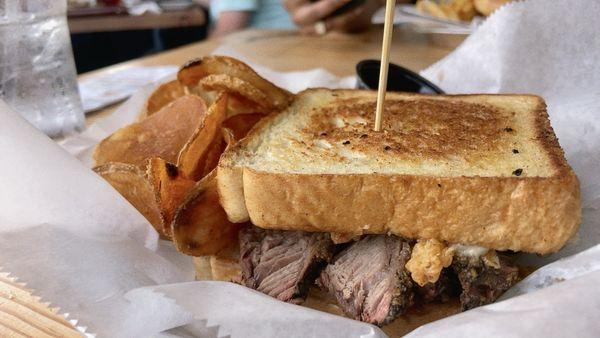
[37,70]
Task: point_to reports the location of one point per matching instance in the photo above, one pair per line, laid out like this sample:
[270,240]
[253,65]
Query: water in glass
[37,70]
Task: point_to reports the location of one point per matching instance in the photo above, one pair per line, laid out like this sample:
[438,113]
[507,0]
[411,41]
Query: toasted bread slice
[482,170]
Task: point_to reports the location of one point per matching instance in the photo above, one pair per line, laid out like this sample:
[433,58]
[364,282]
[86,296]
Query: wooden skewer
[23,314]
[388,28]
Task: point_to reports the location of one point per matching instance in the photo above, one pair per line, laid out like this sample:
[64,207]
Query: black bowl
[400,79]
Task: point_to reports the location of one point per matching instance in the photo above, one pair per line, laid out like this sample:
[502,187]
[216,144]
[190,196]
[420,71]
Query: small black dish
[400,79]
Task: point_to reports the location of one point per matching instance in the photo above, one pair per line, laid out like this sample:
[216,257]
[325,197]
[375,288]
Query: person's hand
[229,22]
[315,17]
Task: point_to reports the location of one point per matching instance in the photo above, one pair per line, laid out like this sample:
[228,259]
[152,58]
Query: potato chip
[195,70]
[448,9]
[487,7]
[240,89]
[213,156]
[170,188]
[463,9]
[228,137]
[200,226]
[238,105]
[203,268]
[194,155]
[163,95]
[240,125]
[162,134]
[449,12]
[132,184]
[225,266]
[431,8]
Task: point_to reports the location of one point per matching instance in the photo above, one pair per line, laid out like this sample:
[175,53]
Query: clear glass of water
[37,70]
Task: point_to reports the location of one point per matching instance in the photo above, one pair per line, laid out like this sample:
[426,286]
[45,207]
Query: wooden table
[109,23]
[287,51]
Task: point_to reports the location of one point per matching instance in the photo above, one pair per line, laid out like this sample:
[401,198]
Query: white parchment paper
[73,239]
[111,87]
[83,247]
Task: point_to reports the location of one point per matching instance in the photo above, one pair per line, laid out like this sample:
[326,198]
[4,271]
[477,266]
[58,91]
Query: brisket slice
[283,264]
[481,283]
[369,280]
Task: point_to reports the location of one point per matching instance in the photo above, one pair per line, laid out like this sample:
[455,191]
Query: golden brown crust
[231,193]
[548,140]
[470,135]
[229,177]
[528,214]
[453,128]
[519,212]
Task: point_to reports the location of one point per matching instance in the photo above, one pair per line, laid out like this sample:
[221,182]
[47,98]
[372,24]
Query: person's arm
[231,15]
[306,14]
[229,22]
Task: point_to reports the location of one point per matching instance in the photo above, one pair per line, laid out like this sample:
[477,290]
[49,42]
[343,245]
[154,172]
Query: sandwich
[435,206]
[296,196]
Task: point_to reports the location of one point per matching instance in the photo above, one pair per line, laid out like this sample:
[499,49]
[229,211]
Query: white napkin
[74,240]
[98,92]
[236,311]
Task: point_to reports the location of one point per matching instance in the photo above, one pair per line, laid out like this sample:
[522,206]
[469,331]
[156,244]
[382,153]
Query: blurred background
[38,74]
[105,32]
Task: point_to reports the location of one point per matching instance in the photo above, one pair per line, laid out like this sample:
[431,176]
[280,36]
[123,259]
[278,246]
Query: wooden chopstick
[388,29]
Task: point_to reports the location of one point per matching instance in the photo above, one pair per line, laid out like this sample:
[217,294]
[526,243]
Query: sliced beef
[482,283]
[283,264]
[446,287]
[369,280]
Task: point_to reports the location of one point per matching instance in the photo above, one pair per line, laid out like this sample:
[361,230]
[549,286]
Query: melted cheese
[428,258]
[469,250]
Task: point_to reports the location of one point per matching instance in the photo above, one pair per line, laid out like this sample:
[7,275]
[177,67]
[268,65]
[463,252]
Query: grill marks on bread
[412,129]
[330,132]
